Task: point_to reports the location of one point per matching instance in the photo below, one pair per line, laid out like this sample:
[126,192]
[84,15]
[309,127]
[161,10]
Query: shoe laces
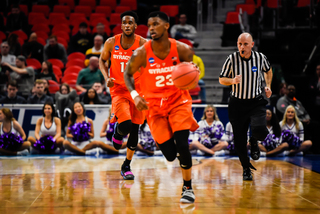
[188,192]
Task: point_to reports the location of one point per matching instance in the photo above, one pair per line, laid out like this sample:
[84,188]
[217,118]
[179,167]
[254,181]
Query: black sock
[126,163]
[187,184]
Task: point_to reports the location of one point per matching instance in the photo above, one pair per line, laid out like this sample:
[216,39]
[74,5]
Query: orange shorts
[123,108]
[168,115]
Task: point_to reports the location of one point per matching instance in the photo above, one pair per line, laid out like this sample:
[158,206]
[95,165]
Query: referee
[244,70]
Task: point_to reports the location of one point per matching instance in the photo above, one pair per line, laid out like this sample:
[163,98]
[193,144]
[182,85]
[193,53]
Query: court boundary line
[35,199]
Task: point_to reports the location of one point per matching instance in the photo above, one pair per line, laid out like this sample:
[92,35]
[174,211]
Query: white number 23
[163,80]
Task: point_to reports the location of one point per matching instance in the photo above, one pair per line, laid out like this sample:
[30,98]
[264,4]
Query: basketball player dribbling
[118,50]
[169,112]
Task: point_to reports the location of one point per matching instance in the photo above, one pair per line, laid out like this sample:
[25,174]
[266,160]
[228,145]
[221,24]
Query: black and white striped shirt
[251,71]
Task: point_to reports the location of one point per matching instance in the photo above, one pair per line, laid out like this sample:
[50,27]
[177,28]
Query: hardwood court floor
[94,186]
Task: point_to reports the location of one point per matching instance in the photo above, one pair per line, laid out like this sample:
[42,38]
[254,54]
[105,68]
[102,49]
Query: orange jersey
[119,59]
[155,78]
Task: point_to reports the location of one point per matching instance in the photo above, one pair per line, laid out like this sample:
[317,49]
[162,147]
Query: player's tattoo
[190,57]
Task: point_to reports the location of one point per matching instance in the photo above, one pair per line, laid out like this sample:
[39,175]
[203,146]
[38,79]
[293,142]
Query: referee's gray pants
[243,112]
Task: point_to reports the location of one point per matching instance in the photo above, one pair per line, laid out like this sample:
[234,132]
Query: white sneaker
[92,152]
[187,196]
[299,154]
[263,154]
[23,152]
[286,153]
[34,151]
[157,153]
[219,153]
[67,152]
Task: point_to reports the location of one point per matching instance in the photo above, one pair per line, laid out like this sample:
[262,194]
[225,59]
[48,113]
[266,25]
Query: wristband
[134,94]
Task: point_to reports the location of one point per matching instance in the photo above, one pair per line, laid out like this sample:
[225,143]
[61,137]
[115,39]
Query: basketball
[185,76]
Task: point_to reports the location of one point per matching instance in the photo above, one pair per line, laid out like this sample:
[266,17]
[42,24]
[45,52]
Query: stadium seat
[303,3]
[170,10]
[69,76]
[232,18]
[186,41]
[77,62]
[57,62]
[21,41]
[63,42]
[34,62]
[61,27]
[121,9]
[2,36]
[76,22]
[62,34]
[94,16]
[273,4]
[130,3]
[70,3]
[57,71]
[90,3]
[62,9]
[73,69]
[72,83]
[42,34]
[253,2]
[142,30]
[104,9]
[24,9]
[41,41]
[115,19]
[41,27]
[41,9]
[76,55]
[111,3]
[104,21]
[116,30]
[54,16]
[53,86]
[194,93]
[75,29]
[249,8]
[83,9]
[34,18]
[20,34]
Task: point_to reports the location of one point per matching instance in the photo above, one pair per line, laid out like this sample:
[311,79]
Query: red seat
[41,27]
[77,62]
[115,19]
[70,3]
[76,55]
[194,93]
[53,16]
[35,17]
[41,9]
[61,27]
[72,83]
[69,76]
[111,3]
[90,3]
[104,9]
[62,34]
[232,18]
[24,8]
[249,8]
[53,86]
[83,9]
[274,4]
[186,41]
[33,62]
[57,71]
[130,3]
[57,62]
[74,69]
[21,41]
[170,10]
[2,36]
[41,41]
[76,22]
[116,30]
[96,21]
[75,29]
[303,3]
[42,34]
[94,16]
[62,9]
[121,9]
[63,42]
[20,34]
[252,2]
[76,16]
[142,30]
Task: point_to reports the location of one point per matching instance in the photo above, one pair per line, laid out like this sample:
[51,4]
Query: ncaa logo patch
[116,47]
[151,60]
[254,69]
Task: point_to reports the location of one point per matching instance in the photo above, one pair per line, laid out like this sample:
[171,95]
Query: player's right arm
[137,60]
[103,60]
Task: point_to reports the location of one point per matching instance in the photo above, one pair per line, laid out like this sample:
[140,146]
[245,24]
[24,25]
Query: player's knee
[133,138]
[169,150]
[259,132]
[185,160]
[125,127]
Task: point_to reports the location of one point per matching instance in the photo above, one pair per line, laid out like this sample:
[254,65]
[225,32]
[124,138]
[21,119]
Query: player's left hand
[141,103]
[268,92]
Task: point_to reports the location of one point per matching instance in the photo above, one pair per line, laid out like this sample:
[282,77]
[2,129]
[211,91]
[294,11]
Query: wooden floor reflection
[95,186]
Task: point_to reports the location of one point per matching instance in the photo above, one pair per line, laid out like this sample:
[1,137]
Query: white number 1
[122,66]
